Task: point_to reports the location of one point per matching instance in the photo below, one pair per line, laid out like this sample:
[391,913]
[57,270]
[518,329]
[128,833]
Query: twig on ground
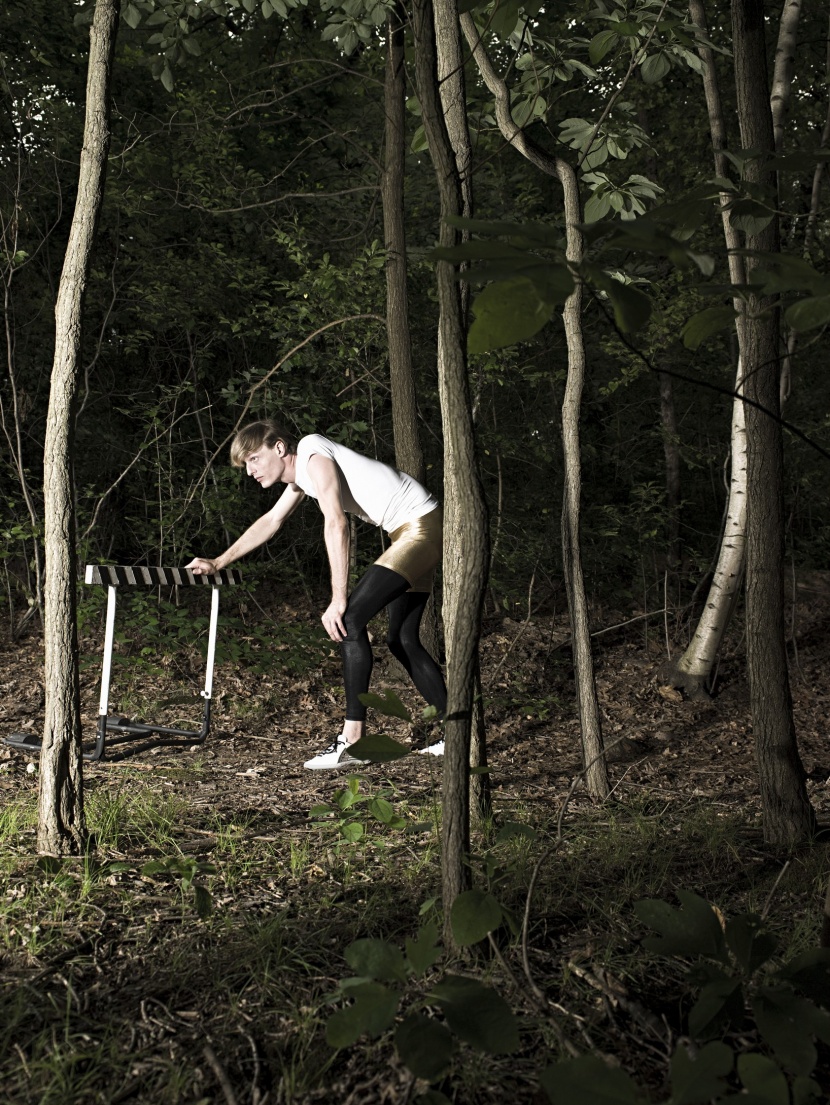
[771,894]
[221,1077]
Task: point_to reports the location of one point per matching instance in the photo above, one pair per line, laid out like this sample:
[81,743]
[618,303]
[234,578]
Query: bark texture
[590,724]
[788,816]
[465,523]
[61,826]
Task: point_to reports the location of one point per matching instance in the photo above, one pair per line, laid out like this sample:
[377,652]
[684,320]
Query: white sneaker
[436,749]
[336,755]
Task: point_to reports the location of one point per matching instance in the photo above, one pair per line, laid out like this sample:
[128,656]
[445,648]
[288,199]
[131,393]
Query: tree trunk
[693,670]
[671,453]
[465,525]
[592,745]
[409,456]
[788,815]
[61,825]
[594,763]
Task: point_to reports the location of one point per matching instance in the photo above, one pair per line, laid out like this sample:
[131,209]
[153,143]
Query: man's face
[266,464]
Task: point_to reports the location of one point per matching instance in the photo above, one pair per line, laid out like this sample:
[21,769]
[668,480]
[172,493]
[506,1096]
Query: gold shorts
[415,550]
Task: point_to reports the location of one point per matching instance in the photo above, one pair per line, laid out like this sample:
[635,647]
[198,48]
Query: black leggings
[381,587]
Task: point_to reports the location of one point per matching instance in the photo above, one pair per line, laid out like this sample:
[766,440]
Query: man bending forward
[342,481]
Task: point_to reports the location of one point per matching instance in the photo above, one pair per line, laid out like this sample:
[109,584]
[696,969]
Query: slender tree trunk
[812,217]
[13,426]
[409,456]
[671,453]
[693,670]
[592,745]
[61,826]
[594,762]
[788,816]
[465,526]
[782,76]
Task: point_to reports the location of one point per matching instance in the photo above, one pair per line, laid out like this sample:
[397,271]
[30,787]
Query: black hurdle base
[129,733]
[23,742]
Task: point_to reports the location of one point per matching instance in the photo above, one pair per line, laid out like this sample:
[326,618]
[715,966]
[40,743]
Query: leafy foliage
[732,970]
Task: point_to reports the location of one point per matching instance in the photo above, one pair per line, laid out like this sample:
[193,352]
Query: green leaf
[507,312]
[203,899]
[373,1012]
[788,1024]
[632,308]
[691,930]
[719,1001]
[809,972]
[267,9]
[505,17]
[747,941]
[601,45]
[654,68]
[167,78]
[750,216]
[588,1081]
[388,704]
[377,959]
[378,748]
[763,1079]
[423,952]
[131,15]
[597,207]
[425,1046]
[477,1014]
[480,249]
[352,832]
[702,325]
[807,314]
[474,913]
[533,235]
[381,810]
[700,1078]
[419,140]
[526,110]
[806,1091]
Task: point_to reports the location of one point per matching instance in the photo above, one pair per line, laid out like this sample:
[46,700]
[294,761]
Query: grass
[112,987]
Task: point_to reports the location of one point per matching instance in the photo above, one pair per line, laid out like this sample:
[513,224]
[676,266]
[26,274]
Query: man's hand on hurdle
[201,566]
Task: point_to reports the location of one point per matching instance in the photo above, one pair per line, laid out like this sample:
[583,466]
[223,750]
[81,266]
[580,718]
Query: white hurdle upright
[113,576]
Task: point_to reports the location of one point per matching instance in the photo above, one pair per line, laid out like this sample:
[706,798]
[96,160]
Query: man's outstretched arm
[262,530]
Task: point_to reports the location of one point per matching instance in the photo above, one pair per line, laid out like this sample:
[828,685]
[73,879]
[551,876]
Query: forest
[566,265]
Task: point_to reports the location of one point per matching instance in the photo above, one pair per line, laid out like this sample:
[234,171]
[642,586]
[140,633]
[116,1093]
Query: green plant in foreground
[736,986]
[185,869]
[472,1011]
[344,816]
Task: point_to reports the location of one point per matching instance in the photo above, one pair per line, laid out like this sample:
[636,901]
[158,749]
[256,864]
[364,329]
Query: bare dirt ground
[249,775]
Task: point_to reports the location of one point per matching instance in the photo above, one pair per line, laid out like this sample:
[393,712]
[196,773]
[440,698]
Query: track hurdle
[113,576]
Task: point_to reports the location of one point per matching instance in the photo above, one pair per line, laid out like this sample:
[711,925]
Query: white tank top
[372,490]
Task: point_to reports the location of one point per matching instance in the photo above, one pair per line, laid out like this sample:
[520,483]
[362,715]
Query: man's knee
[396,646]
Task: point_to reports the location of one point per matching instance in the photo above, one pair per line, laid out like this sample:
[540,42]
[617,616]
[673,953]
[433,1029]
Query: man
[342,481]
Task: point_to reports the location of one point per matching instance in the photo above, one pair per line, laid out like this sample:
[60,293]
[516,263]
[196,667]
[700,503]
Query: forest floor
[114,989]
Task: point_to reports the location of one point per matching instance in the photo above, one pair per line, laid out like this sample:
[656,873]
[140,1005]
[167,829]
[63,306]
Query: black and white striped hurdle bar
[120,575]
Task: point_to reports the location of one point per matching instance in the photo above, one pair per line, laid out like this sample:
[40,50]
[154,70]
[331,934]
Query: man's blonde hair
[256,434]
